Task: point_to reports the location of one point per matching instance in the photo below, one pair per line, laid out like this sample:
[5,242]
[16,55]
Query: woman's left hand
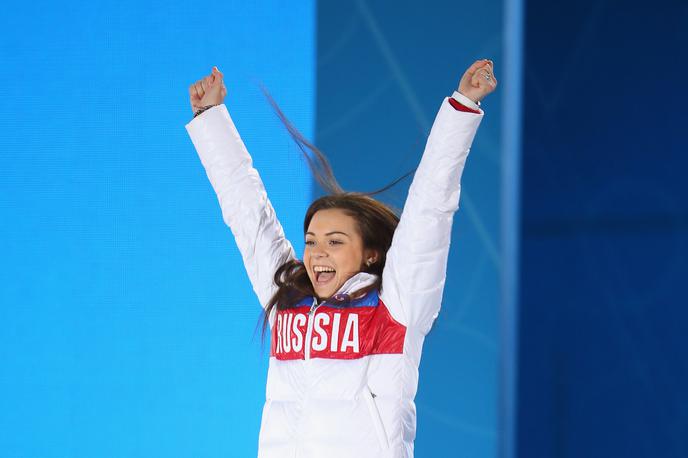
[478,81]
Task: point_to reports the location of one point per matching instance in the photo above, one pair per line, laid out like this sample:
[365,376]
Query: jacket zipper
[309,329]
[376,418]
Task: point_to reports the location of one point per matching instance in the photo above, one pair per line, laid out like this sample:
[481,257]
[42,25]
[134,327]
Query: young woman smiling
[348,321]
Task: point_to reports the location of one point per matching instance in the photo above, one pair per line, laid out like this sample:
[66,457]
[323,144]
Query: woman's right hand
[210,90]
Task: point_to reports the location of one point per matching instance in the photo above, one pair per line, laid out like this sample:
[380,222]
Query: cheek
[352,262]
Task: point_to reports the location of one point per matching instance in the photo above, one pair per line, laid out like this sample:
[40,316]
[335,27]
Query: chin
[325,293]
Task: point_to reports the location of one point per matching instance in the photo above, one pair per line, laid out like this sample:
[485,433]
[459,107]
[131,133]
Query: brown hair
[375,221]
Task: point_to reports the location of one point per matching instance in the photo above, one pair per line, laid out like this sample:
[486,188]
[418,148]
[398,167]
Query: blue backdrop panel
[605,248]
[126,319]
[383,71]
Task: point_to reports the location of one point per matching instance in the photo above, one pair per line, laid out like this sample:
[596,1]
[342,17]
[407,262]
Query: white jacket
[342,380]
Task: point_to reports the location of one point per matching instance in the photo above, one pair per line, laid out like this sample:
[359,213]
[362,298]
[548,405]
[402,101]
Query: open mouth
[323,274]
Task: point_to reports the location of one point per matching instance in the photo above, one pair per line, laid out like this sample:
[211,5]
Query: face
[334,251]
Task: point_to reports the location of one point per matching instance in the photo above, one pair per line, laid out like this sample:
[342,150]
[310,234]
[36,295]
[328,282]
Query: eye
[335,242]
[310,242]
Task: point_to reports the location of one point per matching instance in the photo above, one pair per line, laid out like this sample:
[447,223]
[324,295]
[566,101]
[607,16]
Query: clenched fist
[210,90]
[478,81]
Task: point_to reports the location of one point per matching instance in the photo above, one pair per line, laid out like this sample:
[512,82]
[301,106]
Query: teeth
[322,269]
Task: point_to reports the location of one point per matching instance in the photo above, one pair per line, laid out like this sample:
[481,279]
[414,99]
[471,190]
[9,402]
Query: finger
[212,79]
[492,81]
[477,65]
[487,66]
[199,89]
[196,95]
[192,91]
[486,74]
[477,78]
[217,73]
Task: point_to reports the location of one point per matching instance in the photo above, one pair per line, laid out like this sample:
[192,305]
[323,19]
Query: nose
[318,252]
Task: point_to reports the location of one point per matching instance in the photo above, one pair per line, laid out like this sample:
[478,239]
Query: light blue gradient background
[126,319]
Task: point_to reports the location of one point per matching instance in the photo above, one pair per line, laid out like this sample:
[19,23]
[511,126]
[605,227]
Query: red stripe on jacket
[338,333]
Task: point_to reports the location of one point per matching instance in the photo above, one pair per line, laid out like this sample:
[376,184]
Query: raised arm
[415,271]
[240,191]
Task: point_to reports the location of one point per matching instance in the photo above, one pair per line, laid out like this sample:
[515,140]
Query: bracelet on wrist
[202,109]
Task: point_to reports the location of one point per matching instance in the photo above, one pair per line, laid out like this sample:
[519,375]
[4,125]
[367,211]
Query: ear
[370,257]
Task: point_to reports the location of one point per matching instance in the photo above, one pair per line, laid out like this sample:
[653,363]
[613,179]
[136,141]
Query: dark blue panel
[604,321]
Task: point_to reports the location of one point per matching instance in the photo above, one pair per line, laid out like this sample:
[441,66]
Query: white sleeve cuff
[465,101]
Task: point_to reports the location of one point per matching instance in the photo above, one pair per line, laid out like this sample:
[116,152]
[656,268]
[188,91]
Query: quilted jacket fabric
[342,380]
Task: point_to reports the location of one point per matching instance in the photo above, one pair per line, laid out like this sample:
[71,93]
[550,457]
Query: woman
[347,322]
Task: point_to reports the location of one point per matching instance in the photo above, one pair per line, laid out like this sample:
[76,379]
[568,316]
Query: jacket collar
[358,281]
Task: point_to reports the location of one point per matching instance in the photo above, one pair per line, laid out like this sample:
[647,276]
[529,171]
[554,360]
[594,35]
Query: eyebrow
[330,233]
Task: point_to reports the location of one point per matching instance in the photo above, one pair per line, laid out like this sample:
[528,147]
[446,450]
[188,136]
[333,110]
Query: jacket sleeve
[415,270]
[243,200]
